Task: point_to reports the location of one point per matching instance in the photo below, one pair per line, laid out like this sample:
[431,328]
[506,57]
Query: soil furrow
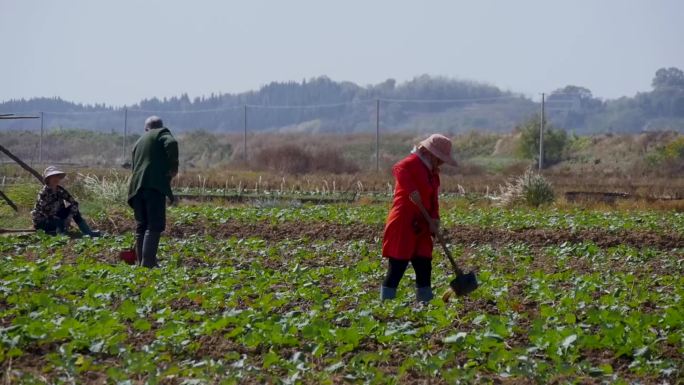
[461,234]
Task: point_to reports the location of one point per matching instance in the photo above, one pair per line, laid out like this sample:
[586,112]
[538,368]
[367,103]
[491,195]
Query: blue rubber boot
[424,294]
[60,227]
[85,229]
[388,292]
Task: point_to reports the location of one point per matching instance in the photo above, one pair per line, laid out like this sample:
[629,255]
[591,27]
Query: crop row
[244,309]
[456,214]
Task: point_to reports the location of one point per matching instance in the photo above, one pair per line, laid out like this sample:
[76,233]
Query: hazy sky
[119,51]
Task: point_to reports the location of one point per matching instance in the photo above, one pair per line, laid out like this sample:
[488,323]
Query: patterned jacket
[50,202]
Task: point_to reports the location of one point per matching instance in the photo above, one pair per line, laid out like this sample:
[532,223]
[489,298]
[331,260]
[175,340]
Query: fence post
[244,143]
[125,133]
[40,141]
[541,136]
[377,135]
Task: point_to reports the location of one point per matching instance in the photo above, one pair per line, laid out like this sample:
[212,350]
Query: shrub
[555,141]
[530,188]
[667,159]
[291,159]
[675,149]
[329,160]
[287,159]
[474,144]
[202,149]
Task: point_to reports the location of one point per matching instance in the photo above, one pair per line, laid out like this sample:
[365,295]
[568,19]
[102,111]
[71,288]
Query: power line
[228,108]
[493,98]
[66,113]
[310,106]
[286,106]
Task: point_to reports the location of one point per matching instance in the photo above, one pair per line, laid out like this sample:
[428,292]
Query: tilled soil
[217,346]
[548,237]
[461,234]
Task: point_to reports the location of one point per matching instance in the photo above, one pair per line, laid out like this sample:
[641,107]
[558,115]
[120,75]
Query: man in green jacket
[155,164]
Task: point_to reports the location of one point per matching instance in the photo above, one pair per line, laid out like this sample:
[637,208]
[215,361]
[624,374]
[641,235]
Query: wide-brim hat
[439,146]
[52,171]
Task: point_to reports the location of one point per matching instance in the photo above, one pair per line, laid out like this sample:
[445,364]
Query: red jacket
[407,233]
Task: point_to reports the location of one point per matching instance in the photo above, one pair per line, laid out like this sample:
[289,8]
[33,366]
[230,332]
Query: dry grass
[530,188]
[291,159]
[645,187]
[453,180]
[624,205]
[346,162]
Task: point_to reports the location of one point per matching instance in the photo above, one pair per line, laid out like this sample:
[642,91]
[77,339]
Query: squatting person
[154,165]
[50,212]
[408,234]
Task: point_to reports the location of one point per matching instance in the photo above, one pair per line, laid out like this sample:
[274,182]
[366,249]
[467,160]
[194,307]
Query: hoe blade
[464,284]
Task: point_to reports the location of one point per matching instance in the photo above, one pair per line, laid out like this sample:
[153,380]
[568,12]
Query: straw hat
[51,171]
[439,146]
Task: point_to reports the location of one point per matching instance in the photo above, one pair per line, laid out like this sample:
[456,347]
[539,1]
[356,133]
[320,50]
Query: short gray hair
[153,122]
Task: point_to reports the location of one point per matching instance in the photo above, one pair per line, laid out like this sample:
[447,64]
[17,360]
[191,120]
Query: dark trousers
[59,223]
[396,268]
[149,210]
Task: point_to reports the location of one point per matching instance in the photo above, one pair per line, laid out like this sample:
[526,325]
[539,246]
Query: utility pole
[125,133]
[40,141]
[244,143]
[377,135]
[541,136]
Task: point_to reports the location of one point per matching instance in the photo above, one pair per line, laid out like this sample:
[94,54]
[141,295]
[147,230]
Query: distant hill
[423,104]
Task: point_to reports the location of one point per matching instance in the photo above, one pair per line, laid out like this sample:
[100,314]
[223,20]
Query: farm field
[202,194]
[289,293]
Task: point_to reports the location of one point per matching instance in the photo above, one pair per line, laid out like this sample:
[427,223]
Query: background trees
[456,106]
[668,78]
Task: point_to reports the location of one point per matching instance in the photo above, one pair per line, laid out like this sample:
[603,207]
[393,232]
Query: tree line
[425,103]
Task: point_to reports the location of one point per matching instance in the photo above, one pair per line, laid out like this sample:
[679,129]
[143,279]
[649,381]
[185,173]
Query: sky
[121,51]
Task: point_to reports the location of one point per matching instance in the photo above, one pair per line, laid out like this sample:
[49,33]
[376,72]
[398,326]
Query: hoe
[464,283]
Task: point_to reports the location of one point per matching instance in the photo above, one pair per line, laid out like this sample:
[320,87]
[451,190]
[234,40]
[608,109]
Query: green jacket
[155,162]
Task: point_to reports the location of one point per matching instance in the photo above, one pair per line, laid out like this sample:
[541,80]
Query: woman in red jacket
[408,234]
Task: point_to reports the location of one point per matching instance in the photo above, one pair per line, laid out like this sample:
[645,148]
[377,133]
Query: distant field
[631,155]
[645,165]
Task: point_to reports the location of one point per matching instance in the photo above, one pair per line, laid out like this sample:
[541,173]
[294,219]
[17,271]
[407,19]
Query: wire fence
[106,137]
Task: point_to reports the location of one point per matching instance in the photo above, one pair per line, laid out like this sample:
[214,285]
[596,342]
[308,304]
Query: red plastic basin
[128,256]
